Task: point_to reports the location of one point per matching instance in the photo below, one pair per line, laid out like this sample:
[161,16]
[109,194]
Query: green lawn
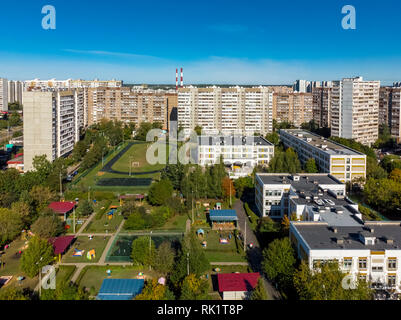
[93,276]
[83,243]
[217,252]
[137,153]
[104,225]
[64,273]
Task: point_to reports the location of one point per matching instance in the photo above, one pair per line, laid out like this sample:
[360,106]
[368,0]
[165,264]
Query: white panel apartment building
[241,154]
[70,84]
[340,161]
[227,110]
[15,89]
[355,110]
[51,124]
[370,251]
[3,94]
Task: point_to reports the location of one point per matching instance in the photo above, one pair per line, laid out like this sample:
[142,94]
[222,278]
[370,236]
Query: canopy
[223,215]
[61,244]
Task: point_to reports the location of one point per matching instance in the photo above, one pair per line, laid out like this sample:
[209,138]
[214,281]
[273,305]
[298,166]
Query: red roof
[62,207]
[237,281]
[61,244]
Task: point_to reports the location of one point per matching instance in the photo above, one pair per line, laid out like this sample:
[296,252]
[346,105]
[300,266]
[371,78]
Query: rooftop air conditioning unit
[339,241]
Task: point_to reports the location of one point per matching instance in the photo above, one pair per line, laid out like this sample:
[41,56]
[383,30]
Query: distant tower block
[176,79]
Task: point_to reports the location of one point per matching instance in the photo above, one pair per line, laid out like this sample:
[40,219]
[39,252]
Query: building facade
[226,110]
[293,107]
[135,105]
[52,121]
[370,251]
[389,110]
[355,110]
[311,197]
[321,97]
[240,154]
[3,94]
[15,89]
[340,161]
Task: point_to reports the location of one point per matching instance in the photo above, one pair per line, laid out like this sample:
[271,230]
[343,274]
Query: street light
[40,277]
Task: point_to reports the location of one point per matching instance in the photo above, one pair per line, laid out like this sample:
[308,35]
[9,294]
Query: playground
[92,277]
[108,223]
[86,249]
[221,246]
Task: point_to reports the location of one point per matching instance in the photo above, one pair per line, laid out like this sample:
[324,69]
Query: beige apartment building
[226,110]
[69,84]
[52,121]
[389,110]
[322,106]
[293,107]
[355,110]
[130,105]
[3,94]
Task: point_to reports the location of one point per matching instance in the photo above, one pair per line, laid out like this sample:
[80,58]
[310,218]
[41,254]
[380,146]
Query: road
[255,254]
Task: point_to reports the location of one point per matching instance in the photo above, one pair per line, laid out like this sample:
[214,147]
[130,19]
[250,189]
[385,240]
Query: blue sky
[220,41]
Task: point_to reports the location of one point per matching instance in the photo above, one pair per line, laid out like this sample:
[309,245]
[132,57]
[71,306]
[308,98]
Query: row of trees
[183,265]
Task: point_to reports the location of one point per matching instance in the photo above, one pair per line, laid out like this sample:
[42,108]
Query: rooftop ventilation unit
[339,241]
[295,178]
[335,230]
[339,210]
[389,241]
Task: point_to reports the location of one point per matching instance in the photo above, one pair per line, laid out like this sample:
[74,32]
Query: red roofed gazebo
[63,208]
[61,244]
[236,286]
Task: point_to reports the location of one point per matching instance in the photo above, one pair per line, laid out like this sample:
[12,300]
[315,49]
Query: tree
[155,291]
[373,170]
[10,225]
[310,166]
[164,258]
[325,282]
[243,186]
[136,221]
[64,291]
[85,208]
[279,261]
[194,288]
[22,209]
[228,187]
[285,162]
[259,293]
[15,120]
[38,254]
[143,130]
[47,226]
[41,196]
[274,138]
[143,251]
[396,175]
[160,192]
[198,130]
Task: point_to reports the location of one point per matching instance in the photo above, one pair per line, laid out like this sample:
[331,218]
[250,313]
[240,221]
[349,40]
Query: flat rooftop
[322,236]
[306,180]
[321,143]
[222,140]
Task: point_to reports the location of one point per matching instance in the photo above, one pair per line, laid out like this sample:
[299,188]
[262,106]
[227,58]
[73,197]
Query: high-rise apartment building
[52,121]
[322,106]
[135,105]
[355,110]
[15,89]
[302,86]
[69,84]
[226,110]
[3,94]
[389,110]
[293,107]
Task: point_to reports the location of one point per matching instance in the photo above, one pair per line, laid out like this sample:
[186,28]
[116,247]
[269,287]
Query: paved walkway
[110,243]
[255,254]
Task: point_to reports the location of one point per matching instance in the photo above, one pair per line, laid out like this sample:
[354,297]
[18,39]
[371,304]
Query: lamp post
[187,263]
[40,277]
[150,249]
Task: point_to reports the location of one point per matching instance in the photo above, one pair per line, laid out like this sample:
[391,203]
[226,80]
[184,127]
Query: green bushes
[140,220]
[253,218]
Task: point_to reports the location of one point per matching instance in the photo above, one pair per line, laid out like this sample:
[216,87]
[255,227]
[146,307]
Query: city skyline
[228,43]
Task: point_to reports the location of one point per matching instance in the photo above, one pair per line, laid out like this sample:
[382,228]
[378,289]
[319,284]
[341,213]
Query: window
[392,264]
[362,263]
[347,263]
[362,277]
[377,268]
[392,280]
